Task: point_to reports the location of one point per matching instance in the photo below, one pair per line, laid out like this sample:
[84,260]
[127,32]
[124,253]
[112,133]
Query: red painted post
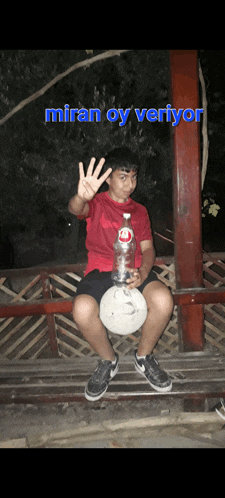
[187,195]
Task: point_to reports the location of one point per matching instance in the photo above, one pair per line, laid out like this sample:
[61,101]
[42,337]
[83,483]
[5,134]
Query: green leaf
[214,208]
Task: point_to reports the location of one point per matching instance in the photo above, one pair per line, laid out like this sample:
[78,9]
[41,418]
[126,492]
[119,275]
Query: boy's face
[121,184]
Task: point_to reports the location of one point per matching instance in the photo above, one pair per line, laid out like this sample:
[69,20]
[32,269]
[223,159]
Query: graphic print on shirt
[125,235]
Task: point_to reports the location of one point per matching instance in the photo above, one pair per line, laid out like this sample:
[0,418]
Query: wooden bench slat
[128,377]
[197,374]
[180,361]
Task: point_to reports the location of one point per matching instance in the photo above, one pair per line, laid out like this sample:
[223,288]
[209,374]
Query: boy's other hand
[135,280]
[88,185]
[138,277]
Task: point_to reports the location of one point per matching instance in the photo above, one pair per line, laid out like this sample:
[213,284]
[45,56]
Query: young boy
[104,215]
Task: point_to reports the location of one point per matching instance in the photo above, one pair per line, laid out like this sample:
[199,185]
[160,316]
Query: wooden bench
[196,376]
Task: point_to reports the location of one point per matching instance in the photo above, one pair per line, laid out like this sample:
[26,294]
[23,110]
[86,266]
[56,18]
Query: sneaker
[99,381]
[157,378]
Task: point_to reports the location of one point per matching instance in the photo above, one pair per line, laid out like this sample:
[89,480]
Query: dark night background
[39,161]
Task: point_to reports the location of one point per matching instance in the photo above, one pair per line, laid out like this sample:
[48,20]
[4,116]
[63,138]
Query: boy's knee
[159,297]
[84,308]
[165,300]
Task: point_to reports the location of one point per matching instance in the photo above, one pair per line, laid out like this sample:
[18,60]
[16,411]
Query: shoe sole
[96,398]
[156,388]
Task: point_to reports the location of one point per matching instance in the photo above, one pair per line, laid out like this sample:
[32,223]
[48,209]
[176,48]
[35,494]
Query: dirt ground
[28,422]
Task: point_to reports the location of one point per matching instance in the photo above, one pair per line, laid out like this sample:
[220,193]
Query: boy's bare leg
[86,317]
[160,306]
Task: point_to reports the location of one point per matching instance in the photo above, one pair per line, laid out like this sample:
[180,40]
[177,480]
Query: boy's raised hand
[89,184]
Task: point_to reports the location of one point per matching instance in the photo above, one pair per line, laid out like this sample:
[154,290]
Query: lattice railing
[214,276]
[45,335]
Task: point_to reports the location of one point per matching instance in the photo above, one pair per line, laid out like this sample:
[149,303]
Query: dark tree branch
[84,63]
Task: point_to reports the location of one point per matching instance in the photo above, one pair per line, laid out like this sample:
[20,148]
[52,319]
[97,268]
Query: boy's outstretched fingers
[81,171]
[106,174]
[99,167]
[91,166]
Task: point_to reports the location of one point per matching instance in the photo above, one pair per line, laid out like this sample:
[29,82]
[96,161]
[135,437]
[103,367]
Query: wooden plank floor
[195,375]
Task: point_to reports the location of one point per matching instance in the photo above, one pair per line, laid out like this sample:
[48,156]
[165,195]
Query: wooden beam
[192,297]
[187,195]
[186,297]
[39,307]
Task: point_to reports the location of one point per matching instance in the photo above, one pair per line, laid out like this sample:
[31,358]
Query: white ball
[123,311]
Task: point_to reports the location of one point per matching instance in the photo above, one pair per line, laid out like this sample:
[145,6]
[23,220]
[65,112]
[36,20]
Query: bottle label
[125,235]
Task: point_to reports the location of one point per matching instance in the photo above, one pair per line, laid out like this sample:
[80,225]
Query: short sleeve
[91,208]
[146,232]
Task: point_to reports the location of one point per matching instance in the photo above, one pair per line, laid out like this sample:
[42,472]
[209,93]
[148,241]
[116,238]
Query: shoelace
[152,360]
[101,370]
[159,373]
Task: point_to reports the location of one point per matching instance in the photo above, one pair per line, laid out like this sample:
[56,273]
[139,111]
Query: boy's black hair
[121,158]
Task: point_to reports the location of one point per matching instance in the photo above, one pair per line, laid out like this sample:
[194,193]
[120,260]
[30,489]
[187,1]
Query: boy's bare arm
[87,187]
[148,257]
[78,206]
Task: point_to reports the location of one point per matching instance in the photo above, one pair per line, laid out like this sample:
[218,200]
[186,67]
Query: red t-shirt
[104,219]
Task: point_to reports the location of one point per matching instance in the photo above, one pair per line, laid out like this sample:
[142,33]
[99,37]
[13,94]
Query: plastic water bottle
[124,252]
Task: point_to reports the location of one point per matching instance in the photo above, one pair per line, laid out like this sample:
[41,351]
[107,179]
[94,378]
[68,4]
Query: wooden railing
[48,293]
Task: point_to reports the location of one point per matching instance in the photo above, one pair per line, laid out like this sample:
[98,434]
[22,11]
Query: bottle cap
[126,216]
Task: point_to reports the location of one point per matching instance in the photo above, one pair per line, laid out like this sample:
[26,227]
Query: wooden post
[187,195]
[50,317]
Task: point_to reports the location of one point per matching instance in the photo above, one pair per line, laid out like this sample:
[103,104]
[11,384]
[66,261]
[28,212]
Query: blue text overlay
[168,114]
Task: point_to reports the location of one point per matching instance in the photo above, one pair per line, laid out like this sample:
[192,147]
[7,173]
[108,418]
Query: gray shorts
[96,283]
